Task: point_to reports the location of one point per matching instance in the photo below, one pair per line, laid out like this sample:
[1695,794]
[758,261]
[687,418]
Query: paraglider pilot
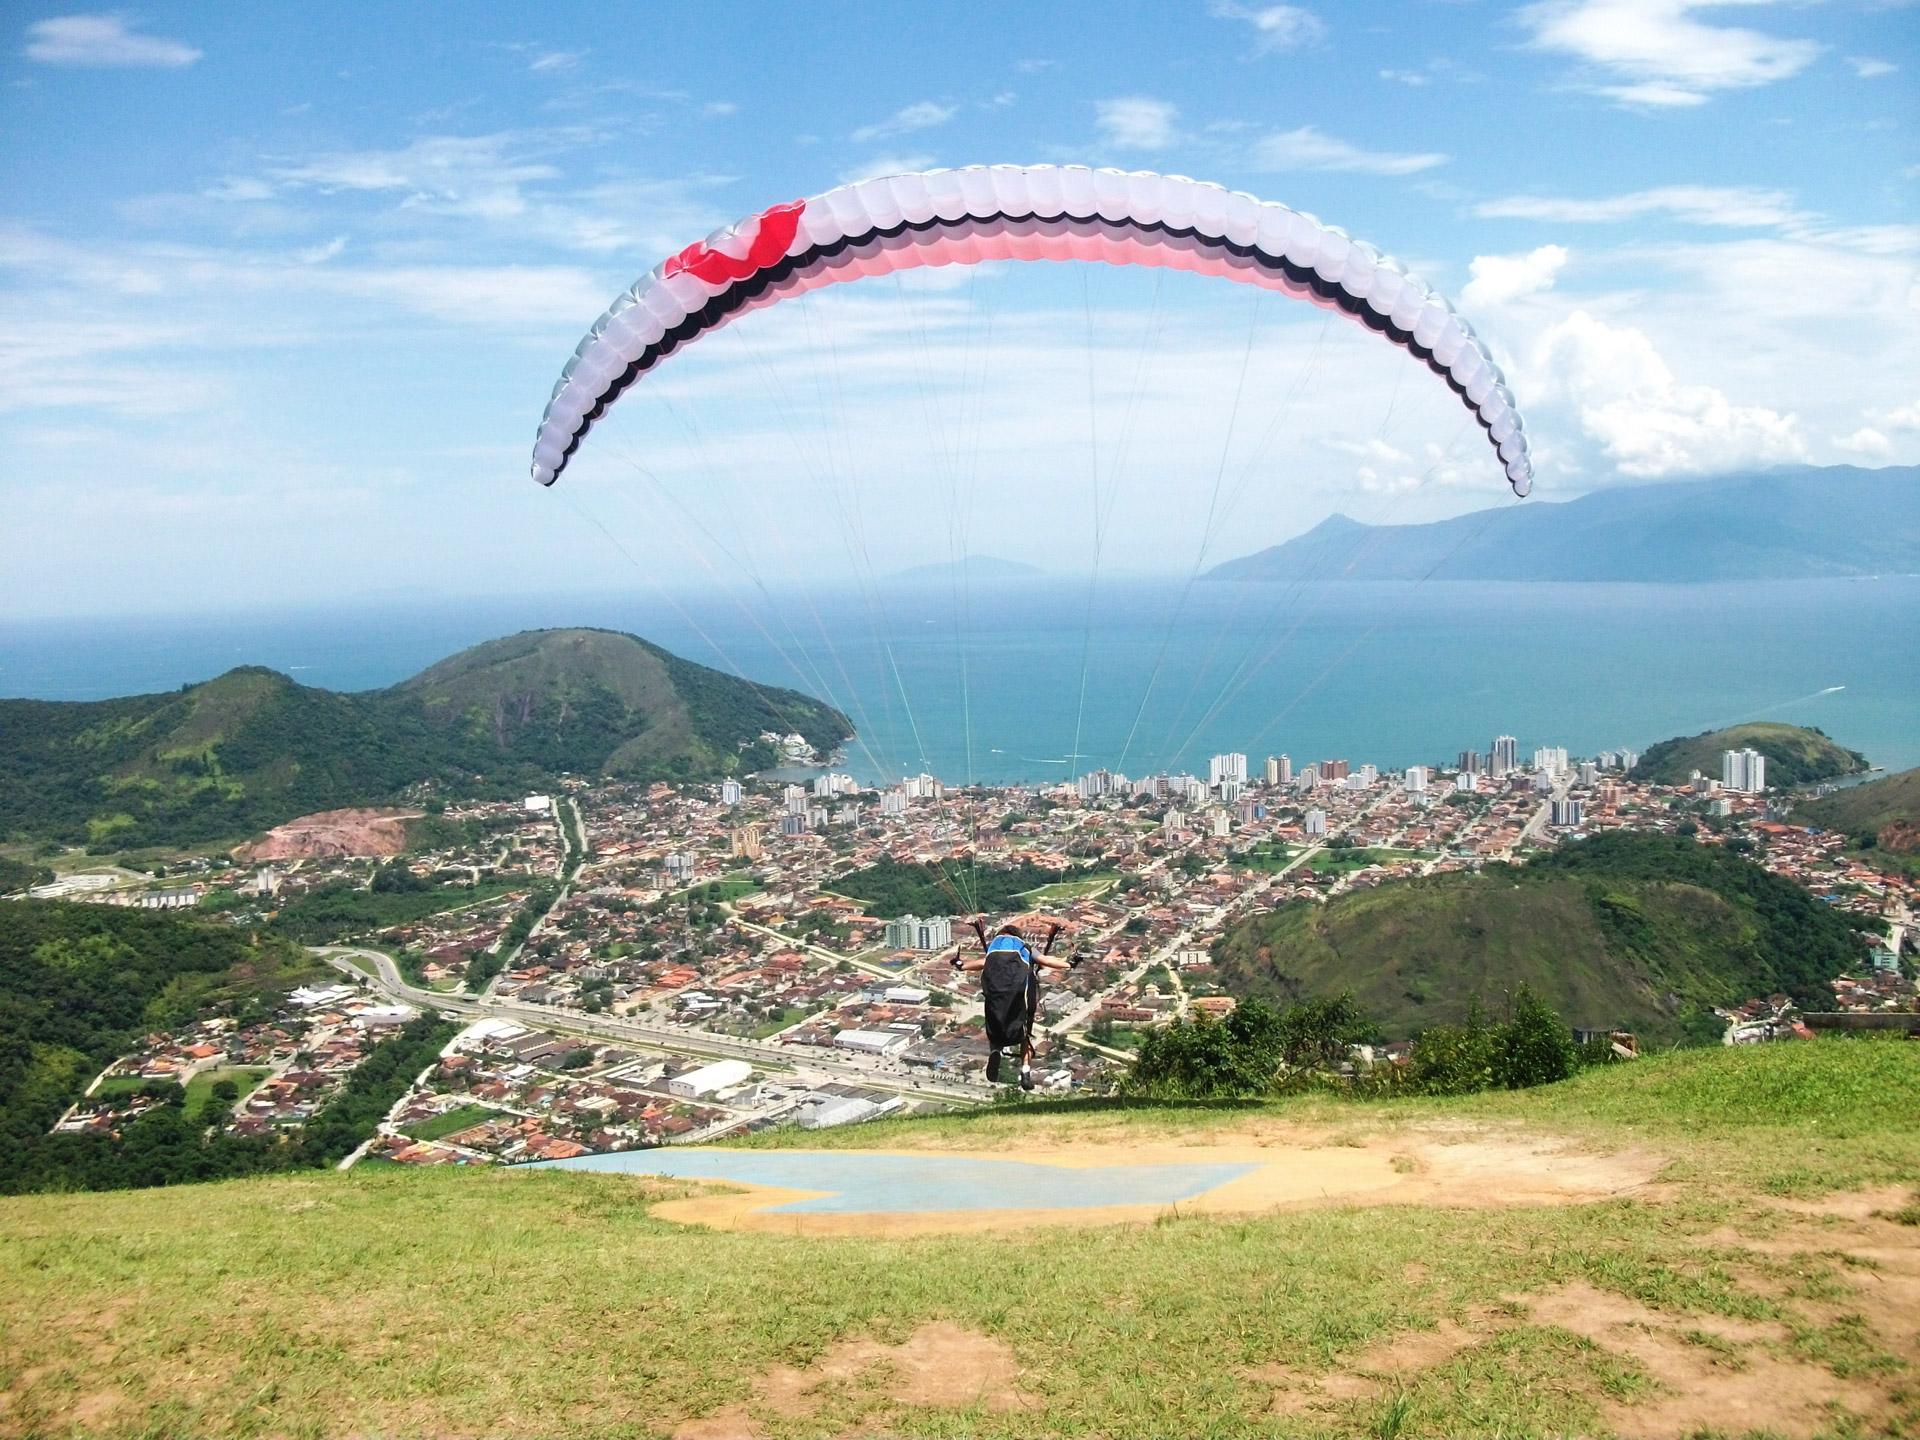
[1010,987]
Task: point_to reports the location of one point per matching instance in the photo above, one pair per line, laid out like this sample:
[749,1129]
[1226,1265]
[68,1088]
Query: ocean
[1032,680]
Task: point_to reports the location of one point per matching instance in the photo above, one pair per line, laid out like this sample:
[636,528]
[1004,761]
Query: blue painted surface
[870,1184]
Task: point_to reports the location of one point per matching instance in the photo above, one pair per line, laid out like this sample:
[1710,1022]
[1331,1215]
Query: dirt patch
[90,1410]
[939,1367]
[333,833]
[732,1423]
[1713,1373]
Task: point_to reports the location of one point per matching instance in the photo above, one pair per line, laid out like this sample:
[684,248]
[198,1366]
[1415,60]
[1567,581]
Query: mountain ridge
[1793,522]
[249,749]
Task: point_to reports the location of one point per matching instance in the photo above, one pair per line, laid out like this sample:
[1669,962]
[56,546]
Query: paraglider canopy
[1013,212]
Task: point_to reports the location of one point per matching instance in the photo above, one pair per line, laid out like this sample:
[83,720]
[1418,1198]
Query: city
[649,964]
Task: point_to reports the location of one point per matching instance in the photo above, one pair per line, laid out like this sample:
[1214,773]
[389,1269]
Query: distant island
[1794,523]
[974,567]
[253,748]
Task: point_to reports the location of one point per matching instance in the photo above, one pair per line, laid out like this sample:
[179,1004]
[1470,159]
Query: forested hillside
[1883,812]
[252,748]
[1796,755]
[1647,932]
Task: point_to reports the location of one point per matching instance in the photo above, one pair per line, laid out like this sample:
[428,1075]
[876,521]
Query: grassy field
[200,1088]
[1069,890]
[549,1303]
[461,1117]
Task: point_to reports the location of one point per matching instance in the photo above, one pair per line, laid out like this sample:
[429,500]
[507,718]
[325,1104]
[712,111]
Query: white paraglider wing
[1013,212]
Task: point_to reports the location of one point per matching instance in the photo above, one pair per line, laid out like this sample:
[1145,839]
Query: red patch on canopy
[778,226]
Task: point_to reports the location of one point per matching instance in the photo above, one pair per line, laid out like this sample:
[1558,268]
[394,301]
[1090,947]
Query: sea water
[1038,680]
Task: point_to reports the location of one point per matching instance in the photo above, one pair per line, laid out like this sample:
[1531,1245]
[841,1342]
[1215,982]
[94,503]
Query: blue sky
[283,289]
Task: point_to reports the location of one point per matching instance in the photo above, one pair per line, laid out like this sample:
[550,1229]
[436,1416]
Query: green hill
[252,748]
[1796,755]
[1886,811]
[1643,932]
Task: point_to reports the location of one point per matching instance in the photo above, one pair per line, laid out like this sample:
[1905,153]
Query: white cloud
[720,107]
[923,116]
[1308,149]
[1865,441]
[1136,123]
[1374,449]
[556,60]
[1663,55]
[320,254]
[1275,27]
[102,40]
[886,165]
[1628,400]
[454,174]
[1867,68]
[1907,417]
[1698,204]
[1498,279]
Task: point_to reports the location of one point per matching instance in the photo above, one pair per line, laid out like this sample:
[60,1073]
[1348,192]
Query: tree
[1315,1034]
[1536,1047]
[1456,1059]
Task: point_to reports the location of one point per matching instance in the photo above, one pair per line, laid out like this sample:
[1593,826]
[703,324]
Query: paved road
[671,1039]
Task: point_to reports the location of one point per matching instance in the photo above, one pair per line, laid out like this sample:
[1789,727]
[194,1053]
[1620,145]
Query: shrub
[1536,1047]
[1456,1059]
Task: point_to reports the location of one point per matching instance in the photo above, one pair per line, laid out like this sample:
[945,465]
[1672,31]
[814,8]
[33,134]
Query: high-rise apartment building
[1565,814]
[1333,769]
[1316,823]
[1415,780]
[893,802]
[1470,762]
[1504,758]
[796,798]
[1743,770]
[729,792]
[745,842]
[1552,759]
[910,932]
[1227,767]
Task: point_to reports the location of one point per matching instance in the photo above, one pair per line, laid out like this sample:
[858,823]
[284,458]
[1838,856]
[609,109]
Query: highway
[386,977]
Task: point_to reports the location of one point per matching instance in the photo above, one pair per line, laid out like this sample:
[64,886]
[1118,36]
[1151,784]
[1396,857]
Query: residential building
[1227,767]
[1565,814]
[1316,822]
[893,802]
[1415,780]
[910,932]
[1470,762]
[729,792]
[1743,770]
[745,841]
[796,799]
[1552,759]
[1504,758]
[1333,770]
